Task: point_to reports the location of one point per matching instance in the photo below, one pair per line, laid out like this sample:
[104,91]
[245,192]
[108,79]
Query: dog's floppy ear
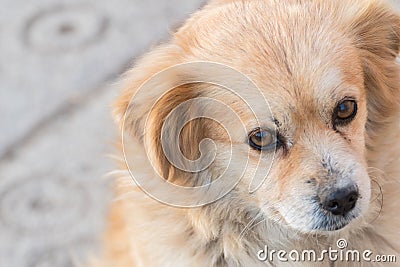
[152,63]
[152,91]
[375,30]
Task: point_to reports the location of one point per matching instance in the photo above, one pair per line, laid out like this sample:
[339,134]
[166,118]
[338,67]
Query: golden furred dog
[262,128]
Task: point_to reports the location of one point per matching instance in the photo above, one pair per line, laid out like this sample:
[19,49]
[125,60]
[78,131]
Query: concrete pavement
[57,59]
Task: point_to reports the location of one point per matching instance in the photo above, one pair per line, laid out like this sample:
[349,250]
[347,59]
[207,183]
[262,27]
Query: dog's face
[319,179]
[321,72]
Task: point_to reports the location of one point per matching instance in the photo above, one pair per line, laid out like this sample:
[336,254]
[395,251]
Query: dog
[262,125]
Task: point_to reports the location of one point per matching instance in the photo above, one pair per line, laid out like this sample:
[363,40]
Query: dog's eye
[345,112]
[262,139]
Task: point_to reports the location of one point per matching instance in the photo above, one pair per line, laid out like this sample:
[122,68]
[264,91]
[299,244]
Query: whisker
[254,225]
[381,202]
[249,224]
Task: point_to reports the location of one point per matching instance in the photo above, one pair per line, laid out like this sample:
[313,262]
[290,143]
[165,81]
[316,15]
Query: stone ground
[57,61]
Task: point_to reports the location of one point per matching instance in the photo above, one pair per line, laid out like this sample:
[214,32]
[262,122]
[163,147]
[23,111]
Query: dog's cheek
[287,202]
[272,191]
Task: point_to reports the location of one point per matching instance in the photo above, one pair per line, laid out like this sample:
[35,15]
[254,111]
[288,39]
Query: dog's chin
[330,227]
[326,224]
[329,223]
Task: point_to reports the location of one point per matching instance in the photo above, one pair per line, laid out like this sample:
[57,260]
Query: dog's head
[327,73]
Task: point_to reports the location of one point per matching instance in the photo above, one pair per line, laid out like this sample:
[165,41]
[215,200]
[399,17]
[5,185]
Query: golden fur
[304,55]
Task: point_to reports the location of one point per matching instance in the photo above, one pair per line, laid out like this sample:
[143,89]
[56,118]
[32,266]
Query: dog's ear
[152,94]
[173,132]
[130,84]
[375,30]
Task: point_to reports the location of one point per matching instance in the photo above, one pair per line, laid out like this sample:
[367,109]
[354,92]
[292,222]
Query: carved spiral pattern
[48,205]
[64,28]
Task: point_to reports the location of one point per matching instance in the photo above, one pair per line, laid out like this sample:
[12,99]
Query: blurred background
[57,61]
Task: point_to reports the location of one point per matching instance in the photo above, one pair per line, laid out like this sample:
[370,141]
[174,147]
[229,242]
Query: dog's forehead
[289,56]
[315,88]
[299,60]
[317,95]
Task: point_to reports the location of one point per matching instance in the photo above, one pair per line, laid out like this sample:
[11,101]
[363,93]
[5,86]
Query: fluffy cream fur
[304,55]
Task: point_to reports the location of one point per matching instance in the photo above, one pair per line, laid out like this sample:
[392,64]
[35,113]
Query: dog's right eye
[262,139]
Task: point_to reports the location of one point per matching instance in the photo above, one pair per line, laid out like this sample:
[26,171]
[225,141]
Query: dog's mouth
[327,221]
[330,223]
[318,220]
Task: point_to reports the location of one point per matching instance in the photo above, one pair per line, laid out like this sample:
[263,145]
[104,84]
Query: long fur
[286,46]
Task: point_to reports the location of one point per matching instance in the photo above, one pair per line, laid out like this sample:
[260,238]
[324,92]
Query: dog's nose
[341,201]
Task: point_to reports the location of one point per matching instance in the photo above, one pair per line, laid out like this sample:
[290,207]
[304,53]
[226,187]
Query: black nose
[341,201]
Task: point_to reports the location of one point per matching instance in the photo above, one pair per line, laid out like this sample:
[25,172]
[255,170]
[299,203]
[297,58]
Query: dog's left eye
[262,139]
[345,112]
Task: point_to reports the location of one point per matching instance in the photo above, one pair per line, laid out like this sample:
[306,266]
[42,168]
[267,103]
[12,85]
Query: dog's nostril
[353,199]
[333,205]
[341,201]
